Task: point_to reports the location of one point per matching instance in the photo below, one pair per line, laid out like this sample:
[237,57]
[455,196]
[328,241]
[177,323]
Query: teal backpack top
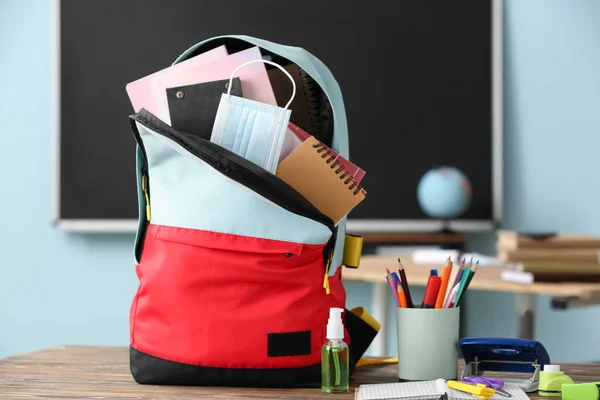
[322,76]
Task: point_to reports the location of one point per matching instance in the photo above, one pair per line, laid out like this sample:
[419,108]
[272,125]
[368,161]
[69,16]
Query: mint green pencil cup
[427,343]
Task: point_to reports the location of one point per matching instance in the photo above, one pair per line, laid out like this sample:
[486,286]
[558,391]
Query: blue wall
[57,288]
[552,142]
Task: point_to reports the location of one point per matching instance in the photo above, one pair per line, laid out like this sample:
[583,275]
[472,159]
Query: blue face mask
[251,129]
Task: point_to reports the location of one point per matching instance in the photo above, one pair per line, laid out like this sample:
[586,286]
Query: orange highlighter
[439,303]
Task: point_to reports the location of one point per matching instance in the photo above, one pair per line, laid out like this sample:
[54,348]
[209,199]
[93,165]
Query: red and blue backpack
[237,271]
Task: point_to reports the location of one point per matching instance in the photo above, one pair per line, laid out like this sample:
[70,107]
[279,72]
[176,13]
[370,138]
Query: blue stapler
[505,355]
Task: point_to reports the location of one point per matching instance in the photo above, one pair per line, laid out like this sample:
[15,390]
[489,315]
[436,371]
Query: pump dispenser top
[335,328]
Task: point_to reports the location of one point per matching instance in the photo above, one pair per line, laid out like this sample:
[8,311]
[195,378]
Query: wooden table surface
[372,269]
[91,372]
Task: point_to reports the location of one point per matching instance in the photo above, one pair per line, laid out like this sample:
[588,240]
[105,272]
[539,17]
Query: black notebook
[193,108]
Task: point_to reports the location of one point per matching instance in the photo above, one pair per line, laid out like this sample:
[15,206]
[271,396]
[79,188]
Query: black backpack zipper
[233,166]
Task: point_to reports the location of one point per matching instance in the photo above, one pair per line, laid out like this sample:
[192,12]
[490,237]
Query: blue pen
[434,272]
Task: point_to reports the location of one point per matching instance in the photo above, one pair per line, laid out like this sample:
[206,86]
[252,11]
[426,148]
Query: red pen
[431,291]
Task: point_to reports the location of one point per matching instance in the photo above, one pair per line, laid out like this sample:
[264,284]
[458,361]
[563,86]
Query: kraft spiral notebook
[312,171]
[295,136]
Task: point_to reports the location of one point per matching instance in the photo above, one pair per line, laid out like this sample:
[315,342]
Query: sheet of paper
[142,92]
[407,390]
[254,78]
[290,143]
[433,256]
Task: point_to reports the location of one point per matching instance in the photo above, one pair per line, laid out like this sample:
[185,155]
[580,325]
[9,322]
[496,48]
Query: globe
[444,193]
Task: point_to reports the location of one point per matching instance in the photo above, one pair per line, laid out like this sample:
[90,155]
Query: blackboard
[417,78]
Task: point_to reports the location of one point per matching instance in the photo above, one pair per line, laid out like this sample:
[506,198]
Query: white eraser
[551,368]
[442,386]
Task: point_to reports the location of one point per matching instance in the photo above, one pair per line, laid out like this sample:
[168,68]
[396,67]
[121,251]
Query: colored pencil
[396,278]
[451,296]
[405,285]
[445,278]
[461,269]
[402,297]
[392,282]
[471,275]
[462,284]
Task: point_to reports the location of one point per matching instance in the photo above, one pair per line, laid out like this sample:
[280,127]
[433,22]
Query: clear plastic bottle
[335,367]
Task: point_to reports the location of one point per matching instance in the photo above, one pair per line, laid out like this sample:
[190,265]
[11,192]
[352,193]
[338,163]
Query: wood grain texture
[372,269]
[91,372]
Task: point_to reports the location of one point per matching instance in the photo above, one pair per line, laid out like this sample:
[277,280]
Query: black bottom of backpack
[147,369]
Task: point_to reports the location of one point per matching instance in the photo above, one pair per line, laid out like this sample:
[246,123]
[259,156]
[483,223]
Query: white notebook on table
[426,390]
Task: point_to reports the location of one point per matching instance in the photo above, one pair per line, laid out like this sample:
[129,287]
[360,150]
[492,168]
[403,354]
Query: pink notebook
[295,136]
[142,92]
[254,78]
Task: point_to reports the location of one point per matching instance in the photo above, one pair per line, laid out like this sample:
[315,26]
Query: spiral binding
[340,170]
[311,94]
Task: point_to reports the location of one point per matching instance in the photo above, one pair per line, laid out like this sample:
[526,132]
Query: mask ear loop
[266,62]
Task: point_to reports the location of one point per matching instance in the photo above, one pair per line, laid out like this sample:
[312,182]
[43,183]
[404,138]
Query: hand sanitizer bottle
[335,368]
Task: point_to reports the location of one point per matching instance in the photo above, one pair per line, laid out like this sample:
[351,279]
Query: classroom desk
[565,295]
[90,372]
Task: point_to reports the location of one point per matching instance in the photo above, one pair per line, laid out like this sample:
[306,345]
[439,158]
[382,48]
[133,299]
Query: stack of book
[549,258]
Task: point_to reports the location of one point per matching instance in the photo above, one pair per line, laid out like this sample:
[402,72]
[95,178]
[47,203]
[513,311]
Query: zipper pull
[326,277]
[145,189]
